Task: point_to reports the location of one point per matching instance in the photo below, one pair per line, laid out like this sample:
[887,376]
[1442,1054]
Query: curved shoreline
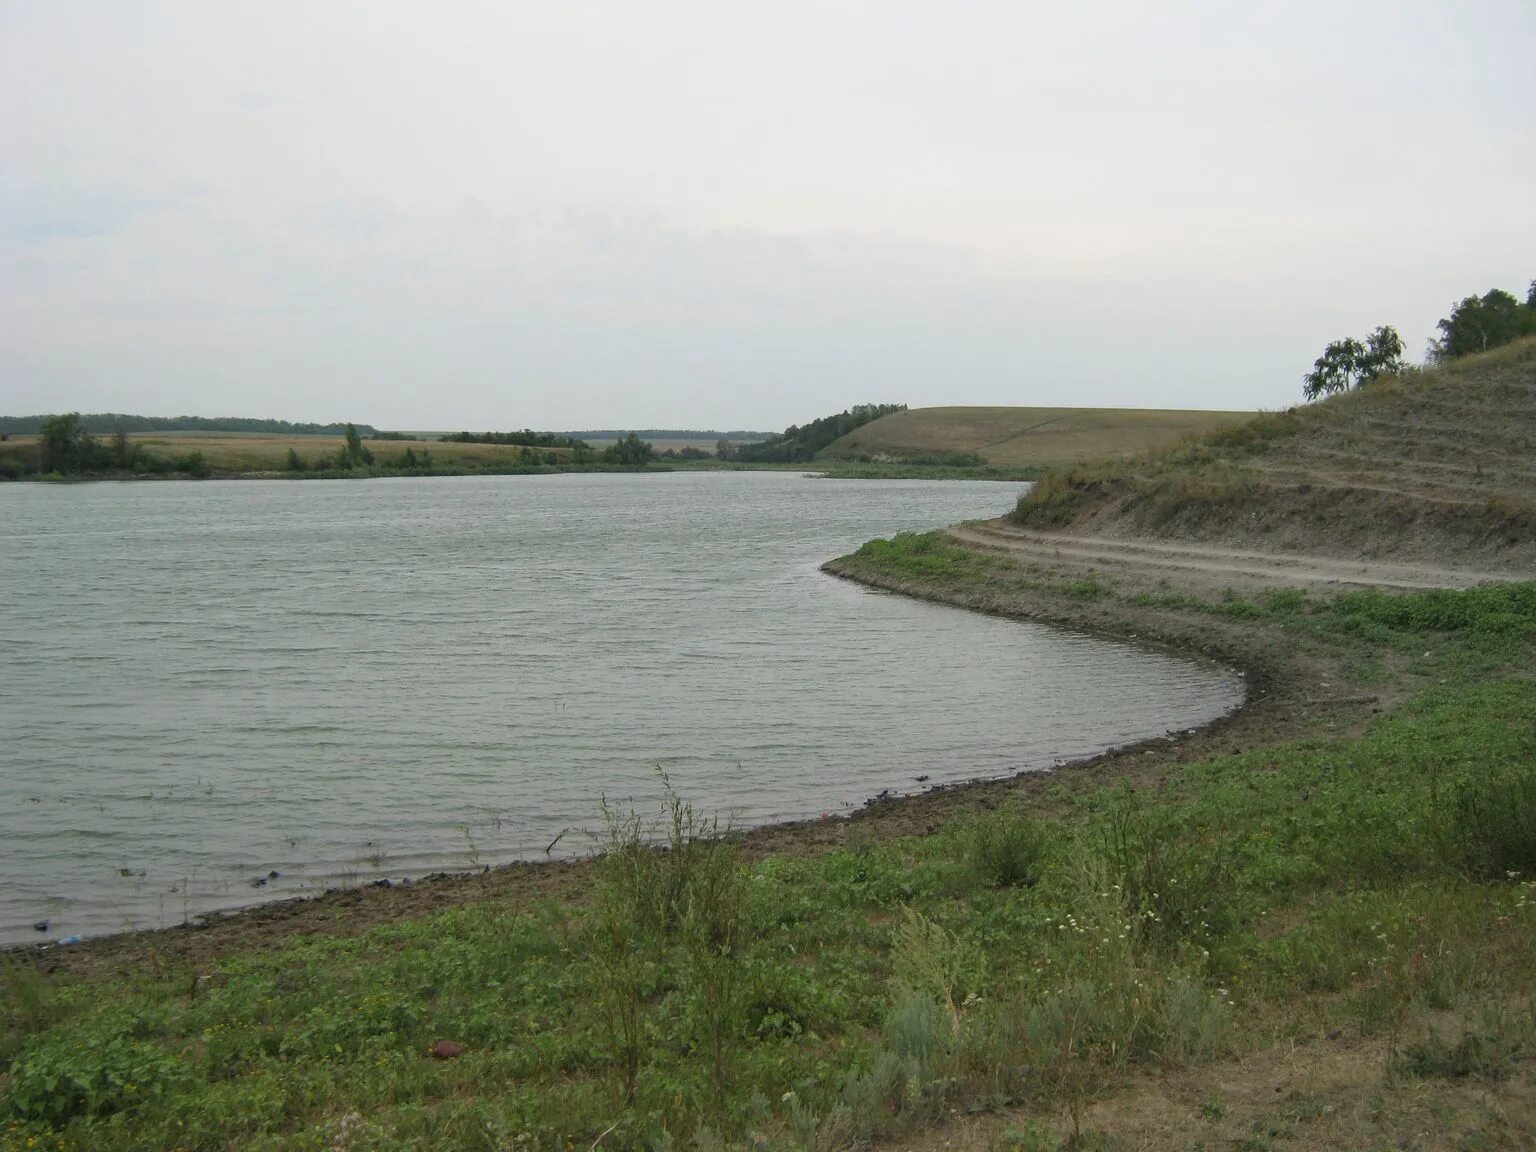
[1268,713]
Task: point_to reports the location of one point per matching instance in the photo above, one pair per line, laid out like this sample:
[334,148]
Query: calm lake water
[208,682]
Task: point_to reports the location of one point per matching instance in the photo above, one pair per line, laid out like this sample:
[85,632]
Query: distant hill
[104,423]
[662,434]
[1024,437]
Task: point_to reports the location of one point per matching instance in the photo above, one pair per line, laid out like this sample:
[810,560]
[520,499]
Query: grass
[260,452]
[702,999]
[1025,437]
[1443,453]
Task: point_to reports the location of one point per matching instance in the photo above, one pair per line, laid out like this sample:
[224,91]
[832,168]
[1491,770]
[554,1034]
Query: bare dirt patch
[1203,568]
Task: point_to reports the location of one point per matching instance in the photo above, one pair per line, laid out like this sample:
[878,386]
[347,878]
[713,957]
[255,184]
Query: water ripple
[211,682]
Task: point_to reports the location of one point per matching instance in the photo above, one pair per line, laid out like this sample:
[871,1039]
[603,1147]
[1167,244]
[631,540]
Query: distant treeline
[802,442]
[105,423]
[665,434]
[528,438]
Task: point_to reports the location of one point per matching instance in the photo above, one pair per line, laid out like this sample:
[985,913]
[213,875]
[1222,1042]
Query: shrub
[194,464]
[1172,888]
[1050,503]
[62,1074]
[1009,850]
[1488,1051]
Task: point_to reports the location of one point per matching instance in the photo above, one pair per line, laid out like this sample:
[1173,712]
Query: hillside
[1439,465]
[1024,437]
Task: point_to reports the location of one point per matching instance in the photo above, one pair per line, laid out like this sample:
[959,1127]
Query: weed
[1008,849]
[1172,887]
[1487,1050]
[1491,821]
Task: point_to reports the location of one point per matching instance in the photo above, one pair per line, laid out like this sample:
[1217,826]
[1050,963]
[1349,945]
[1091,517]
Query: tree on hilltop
[1348,363]
[1479,323]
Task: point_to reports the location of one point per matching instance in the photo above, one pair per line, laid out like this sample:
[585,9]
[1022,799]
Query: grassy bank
[1079,963]
[1439,460]
[254,455]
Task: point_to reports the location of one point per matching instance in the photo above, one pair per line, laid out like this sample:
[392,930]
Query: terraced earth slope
[1437,468]
[1026,437]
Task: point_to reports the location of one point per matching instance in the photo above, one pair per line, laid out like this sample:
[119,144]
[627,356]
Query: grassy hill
[1442,459]
[1025,437]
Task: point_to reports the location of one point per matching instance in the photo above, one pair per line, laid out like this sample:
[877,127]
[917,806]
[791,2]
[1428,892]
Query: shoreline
[831,470]
[1268,712]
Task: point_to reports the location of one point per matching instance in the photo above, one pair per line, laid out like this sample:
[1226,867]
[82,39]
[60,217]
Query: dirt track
[1194,567]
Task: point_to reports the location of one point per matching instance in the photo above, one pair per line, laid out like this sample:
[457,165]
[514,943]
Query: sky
[719,214]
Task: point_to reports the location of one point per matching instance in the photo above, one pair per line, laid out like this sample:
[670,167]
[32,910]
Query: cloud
[688,214]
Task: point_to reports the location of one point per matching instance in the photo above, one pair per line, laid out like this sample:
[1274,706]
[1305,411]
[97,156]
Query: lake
[337,681]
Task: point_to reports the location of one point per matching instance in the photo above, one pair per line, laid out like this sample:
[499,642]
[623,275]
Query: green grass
[815,1002]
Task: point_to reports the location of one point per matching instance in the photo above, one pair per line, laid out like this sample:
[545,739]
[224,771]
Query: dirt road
[1199,567]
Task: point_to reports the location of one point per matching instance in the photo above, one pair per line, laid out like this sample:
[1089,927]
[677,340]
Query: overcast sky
[721,214]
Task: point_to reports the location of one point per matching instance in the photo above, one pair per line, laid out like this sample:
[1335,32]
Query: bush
[196,465]
[62,1074]
[1050,503]
[1173,888]
[1009,850]
[1490,1051]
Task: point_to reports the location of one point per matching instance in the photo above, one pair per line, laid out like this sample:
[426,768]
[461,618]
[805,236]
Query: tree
[1383,354]
[353,453]
[122,452]
[295,461]
[1348,363]
[632,452]
[1479,323]
[1336,370]
[67,446]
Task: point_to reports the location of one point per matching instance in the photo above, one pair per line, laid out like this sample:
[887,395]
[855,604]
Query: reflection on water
[208,683]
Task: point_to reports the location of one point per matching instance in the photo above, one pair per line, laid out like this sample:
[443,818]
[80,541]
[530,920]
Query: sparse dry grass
[1402,468]
[1028,437]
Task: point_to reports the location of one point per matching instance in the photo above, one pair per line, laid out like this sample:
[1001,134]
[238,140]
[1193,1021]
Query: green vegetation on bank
[66,449]
[1379,886]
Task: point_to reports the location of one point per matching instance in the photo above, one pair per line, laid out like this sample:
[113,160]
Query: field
[661,444]
[260,452]
[1028,437]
